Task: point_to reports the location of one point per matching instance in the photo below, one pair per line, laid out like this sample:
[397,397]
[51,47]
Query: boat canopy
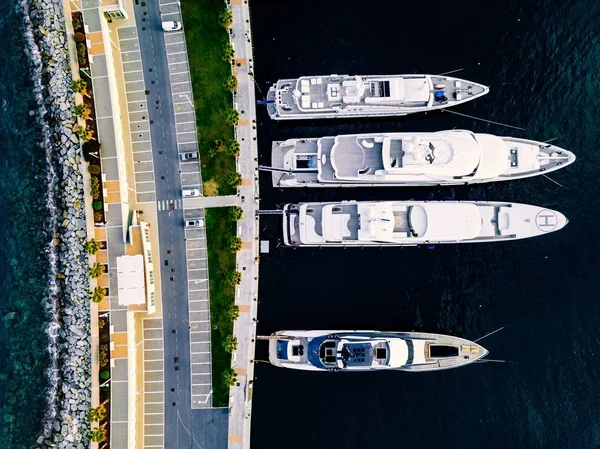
[494,157]
[398,352]
[445,221]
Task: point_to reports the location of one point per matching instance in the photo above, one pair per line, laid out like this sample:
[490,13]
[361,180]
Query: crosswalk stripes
[170,204]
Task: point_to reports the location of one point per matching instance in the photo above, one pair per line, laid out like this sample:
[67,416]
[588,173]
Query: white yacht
[411,223]
[371,351]
[334,96]
[411,159]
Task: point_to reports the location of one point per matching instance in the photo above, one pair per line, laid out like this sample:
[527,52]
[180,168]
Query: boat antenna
[490,360]
[487,335]
[550,140]
[484,120]
[555,182]
[451,71]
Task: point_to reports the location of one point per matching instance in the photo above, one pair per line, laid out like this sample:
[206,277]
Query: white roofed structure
[131,281]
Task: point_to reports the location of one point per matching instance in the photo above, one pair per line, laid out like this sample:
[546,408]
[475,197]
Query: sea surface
[542,61]
[24,241]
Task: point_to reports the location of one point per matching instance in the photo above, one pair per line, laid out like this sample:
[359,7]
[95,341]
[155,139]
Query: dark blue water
[541,59]
[24,358]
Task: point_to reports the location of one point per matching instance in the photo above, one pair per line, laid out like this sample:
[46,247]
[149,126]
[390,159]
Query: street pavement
[184,426]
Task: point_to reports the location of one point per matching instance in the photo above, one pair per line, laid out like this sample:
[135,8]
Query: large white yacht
[411,223]
[334,96]
[411,159]
[371,351]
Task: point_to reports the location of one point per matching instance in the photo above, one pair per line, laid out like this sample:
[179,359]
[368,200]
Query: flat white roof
[130,278]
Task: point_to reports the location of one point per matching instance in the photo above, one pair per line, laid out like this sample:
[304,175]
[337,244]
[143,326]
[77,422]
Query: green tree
[96,270]
[230,377]
[230,344]
[98,294]
[226,18]
[232,83]
[236,213]
[233,116]
[233,148]
[233,278]
[235,243]
[228,52]
[92,246]
[235,179]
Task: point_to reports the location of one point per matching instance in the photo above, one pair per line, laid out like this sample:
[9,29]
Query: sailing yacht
[335,96]
[370,351]
[411,223]
[411,159]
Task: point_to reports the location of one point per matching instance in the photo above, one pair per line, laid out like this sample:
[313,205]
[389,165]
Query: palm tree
[233,312]
[233,148]
[232,83]
[81,111]
[228,52]
[233,116]
[95,414]
[92,246]
[98,434]
[226,18]
[96,270]
[83,132]
[234,278]
[236,213]
[235,179]
[230,377]
[230,344]
[235,243]
[80,86]
[98,294]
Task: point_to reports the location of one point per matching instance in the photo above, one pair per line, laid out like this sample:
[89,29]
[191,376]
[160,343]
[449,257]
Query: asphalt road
[184,427]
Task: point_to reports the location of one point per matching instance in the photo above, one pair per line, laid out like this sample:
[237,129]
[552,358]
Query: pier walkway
[240,402]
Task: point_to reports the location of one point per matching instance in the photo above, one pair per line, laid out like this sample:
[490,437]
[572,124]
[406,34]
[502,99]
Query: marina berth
[411,223]
[336,96]
[370,351]
[455,157]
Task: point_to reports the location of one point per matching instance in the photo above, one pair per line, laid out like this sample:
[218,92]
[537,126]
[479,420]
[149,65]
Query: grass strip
[205,40]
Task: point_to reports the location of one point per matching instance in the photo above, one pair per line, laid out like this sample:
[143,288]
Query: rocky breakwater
[69,300]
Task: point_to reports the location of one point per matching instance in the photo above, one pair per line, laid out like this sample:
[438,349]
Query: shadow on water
[540,59]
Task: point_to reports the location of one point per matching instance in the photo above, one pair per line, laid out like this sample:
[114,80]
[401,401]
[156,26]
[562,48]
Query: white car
[194,223]
[171,26]
[191,156]
[188,193]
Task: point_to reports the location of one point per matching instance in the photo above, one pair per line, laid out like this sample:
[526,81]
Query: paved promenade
[240,403]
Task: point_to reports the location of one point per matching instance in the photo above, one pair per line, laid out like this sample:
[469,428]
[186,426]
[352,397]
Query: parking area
[154,405]
[195,238]
[137,107]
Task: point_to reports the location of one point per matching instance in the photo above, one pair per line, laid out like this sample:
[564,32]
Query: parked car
[191,156]
[194,223]
[187,193]
[171,26]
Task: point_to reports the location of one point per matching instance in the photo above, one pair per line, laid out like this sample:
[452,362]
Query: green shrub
[95,169]
[95,188]
[104,375]
[97,205]
[79,37]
